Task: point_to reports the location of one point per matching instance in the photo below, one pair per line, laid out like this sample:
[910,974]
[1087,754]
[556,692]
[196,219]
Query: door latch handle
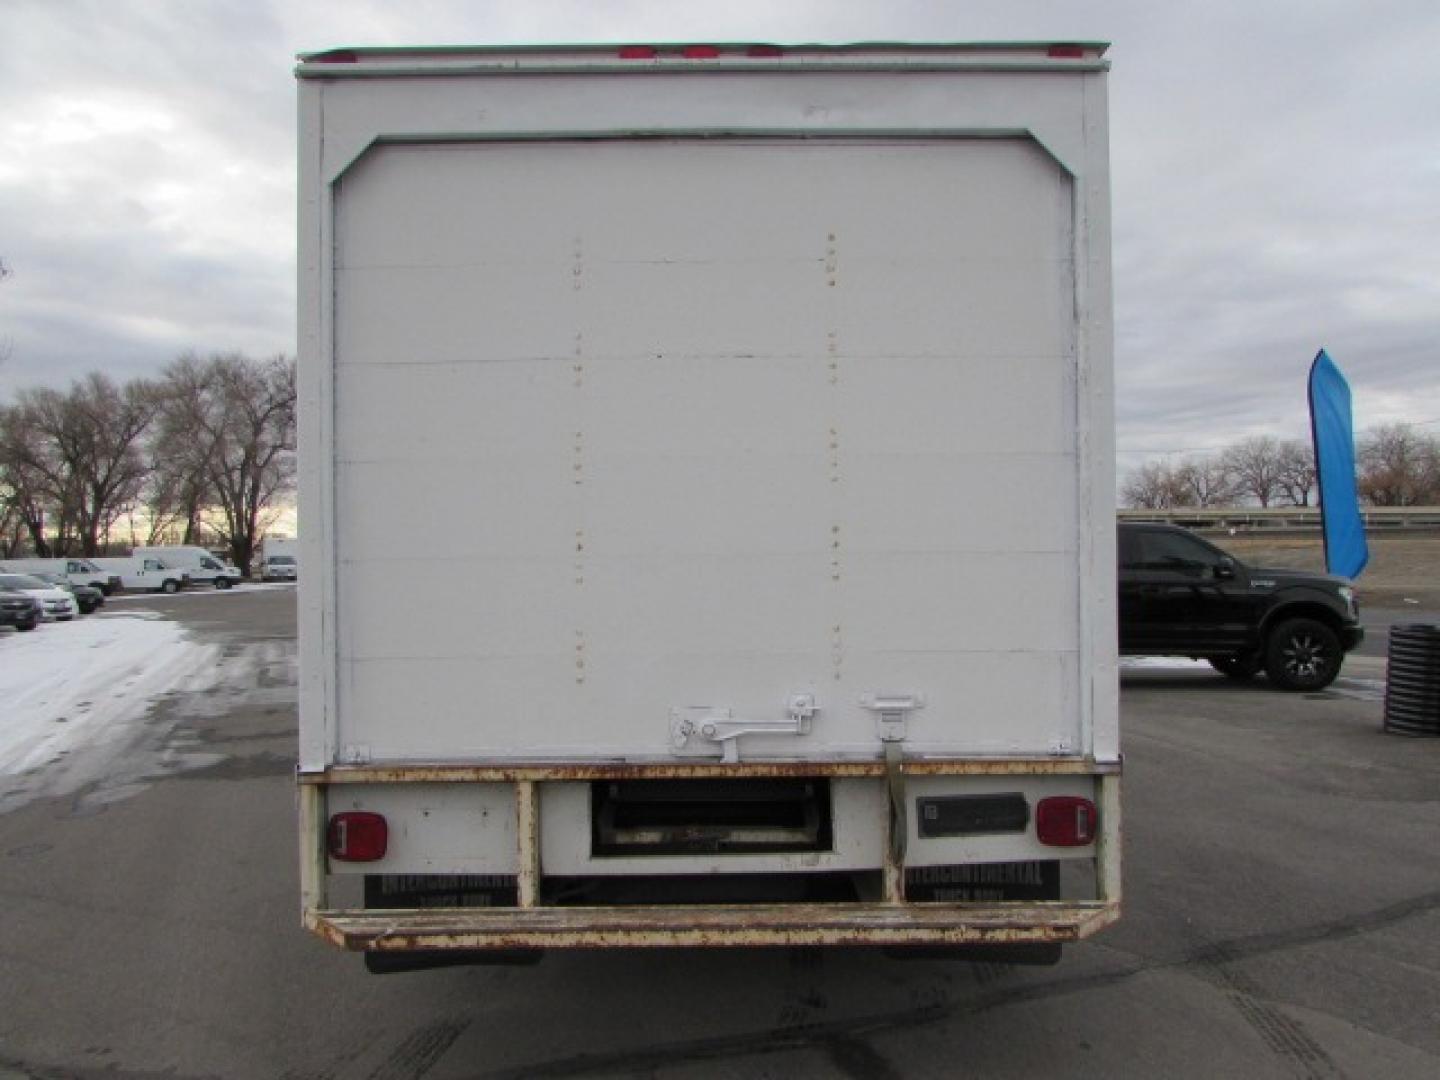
[699,728]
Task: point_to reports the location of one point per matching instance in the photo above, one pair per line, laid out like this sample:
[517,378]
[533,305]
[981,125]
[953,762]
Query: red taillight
[637,52]
[1065,821]
[764,50]
[357,836]
[1067,52]
[701,52]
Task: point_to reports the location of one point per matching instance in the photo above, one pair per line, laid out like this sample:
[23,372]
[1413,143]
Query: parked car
[55,603]
[279,568]
[87,597]
[77,571]
[1182,596]
[18,609]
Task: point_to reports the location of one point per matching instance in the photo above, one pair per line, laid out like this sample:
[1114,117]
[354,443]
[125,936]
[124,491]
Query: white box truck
[279,559]
[756,405]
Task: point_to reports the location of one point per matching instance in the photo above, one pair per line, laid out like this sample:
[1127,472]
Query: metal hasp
[892,712]
[720,726]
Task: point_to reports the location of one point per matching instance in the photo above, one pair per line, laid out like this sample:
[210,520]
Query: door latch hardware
[698,729]
[892,711]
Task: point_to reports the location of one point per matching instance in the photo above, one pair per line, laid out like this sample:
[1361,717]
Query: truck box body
[279,558]
[756,413]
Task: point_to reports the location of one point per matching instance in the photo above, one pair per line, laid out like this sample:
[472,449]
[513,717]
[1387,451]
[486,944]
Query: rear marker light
[1065,821]
[1067,52]
[357,836]
[637,52]
[701,52]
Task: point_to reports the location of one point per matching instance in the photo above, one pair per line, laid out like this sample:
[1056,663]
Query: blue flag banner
[1333,431]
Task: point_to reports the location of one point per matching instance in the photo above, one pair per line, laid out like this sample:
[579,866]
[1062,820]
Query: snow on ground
[1162,663]
[65,685]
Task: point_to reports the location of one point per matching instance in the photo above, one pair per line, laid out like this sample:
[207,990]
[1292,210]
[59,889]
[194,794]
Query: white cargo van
[200,565]
[764,394]
[145,573]
[80,571]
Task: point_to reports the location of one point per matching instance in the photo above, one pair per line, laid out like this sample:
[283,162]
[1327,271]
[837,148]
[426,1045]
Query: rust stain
[707,926]
[490,772]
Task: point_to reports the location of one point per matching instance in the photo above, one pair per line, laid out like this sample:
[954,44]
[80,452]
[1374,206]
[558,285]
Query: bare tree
[1397,466]
[27,476]
[1430,472]
[1204,481]
[179,489]
[237,416]
[1296,475]
[1254,465]
[78,454]
[1153,486]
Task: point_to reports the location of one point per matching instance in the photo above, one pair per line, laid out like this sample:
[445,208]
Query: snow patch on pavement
[1162,663]
[86,684]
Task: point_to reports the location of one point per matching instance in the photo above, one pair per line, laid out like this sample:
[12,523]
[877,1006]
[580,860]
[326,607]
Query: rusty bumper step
[692,926]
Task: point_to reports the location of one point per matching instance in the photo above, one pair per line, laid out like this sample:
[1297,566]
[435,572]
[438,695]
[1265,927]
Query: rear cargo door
[630,428]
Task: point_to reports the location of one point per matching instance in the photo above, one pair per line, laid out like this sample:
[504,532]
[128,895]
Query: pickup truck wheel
[1302,654]
[1241,666]
[170,586]
[222,582]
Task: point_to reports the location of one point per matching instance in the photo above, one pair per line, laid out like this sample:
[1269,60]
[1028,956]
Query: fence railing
[1282,517]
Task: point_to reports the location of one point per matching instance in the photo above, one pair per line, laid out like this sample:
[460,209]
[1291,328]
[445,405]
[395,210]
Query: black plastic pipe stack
[1412,686]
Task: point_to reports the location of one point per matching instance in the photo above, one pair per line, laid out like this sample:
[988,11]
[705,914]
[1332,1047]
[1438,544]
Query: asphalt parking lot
[1282,919]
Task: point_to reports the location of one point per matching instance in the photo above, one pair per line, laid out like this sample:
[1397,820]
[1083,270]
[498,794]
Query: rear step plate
[690,926]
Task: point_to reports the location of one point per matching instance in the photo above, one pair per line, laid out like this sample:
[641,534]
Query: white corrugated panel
[626,426]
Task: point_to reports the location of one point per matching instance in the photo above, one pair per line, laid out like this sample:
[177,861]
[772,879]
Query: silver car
[56,605]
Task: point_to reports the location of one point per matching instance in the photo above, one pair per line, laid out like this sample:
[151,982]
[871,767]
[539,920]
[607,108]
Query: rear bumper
[721,926]
[535,922]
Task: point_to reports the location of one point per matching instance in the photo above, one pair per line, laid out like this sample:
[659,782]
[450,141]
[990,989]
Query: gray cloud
[1275,180]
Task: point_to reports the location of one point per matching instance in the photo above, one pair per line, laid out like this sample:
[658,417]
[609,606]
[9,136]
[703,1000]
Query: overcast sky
[1276,179]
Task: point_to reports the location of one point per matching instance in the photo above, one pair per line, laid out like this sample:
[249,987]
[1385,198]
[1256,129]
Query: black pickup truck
[1182,596]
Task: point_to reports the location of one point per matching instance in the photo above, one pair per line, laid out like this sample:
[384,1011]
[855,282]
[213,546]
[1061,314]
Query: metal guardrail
[1282,517]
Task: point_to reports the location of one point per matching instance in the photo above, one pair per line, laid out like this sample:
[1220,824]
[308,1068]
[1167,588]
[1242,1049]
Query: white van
[199,565]
[147,573]
[79,571]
